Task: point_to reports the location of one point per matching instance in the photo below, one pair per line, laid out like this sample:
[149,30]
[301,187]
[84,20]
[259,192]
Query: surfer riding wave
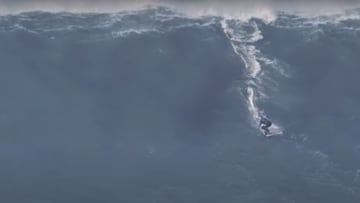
[265,123]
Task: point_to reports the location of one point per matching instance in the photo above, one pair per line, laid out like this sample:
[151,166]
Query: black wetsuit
[265,124]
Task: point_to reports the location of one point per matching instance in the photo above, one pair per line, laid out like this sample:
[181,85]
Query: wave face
[156,106]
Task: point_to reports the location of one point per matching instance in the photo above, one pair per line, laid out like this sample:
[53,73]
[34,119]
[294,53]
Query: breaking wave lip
[158,18]
[300,21]
[121,24]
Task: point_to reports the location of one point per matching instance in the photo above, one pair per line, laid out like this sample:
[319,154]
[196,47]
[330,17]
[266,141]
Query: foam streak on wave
[240,41]
[242,36]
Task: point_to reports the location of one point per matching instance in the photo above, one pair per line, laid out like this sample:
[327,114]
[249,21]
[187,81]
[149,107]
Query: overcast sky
[203,6]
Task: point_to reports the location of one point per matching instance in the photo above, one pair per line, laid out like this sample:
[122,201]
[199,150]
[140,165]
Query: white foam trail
[254,65]
[253,109]
[242,41]
[128,32]
[241,45]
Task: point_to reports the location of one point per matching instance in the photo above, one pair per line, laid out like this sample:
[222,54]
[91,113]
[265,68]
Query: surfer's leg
[267,131]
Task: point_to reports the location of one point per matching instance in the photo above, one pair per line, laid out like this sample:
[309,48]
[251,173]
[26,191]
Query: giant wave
[157,106]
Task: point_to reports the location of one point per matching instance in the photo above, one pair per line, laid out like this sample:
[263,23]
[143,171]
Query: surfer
[265,124]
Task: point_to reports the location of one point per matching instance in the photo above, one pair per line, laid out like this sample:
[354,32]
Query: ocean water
[156,106]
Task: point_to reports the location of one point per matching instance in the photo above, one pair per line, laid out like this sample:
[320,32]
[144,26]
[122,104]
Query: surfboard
[274,129]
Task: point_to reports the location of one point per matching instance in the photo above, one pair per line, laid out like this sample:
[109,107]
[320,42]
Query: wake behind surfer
[265,124]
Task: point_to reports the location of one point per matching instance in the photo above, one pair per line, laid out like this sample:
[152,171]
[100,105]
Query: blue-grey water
[153,106]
